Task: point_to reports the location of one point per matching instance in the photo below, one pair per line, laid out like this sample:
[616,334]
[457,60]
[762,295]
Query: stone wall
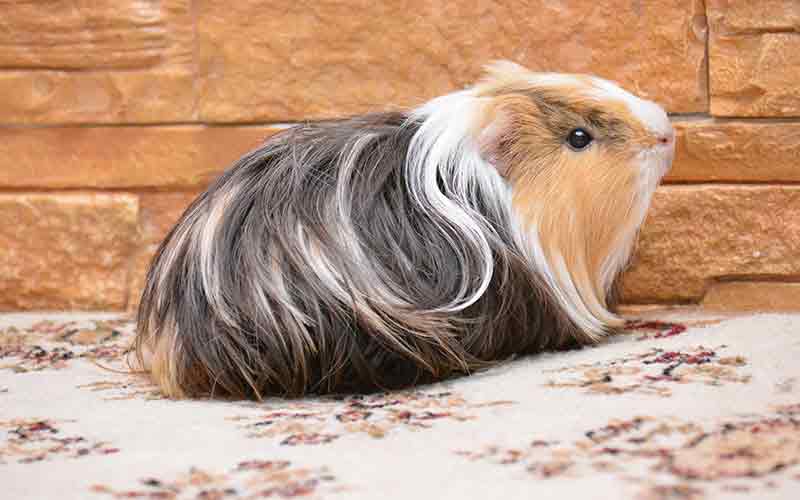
[115,113]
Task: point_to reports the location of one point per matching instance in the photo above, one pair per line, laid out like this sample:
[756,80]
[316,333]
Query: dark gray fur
[316,342]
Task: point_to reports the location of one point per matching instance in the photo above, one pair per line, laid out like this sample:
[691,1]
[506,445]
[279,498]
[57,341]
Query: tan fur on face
[577,222]
[583,207]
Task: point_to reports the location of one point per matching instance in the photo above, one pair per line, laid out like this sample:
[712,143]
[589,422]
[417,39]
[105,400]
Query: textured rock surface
[696,234]
[66,251]
[755,52]
[69,61]
[285,60]
[80,34]
[40,97]
[736,151]
[752,296]
[741,16]
[158,213]
[121,157]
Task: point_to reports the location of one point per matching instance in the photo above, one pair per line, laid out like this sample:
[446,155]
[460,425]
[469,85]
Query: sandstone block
[695,235]
[121,157]
[742,16]
[284,60]
[61,97]
[754,50]
[740,151]
[66,251]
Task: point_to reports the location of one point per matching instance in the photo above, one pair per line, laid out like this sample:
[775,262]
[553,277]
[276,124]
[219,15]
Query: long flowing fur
[341,256]
[385,250]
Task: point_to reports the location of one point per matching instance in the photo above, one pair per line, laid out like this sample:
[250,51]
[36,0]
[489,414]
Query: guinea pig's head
[583,158]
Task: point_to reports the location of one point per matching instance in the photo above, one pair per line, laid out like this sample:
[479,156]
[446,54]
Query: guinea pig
[385,250]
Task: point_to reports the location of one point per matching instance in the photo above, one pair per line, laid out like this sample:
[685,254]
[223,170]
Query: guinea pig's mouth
[654,163]
[667,150]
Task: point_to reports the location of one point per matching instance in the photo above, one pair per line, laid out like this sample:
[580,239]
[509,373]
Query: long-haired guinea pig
[384,250]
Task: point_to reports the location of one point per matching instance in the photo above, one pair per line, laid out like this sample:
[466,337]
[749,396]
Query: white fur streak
[207,255]
[444,146]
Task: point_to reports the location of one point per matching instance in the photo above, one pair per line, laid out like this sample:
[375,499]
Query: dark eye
[579,139]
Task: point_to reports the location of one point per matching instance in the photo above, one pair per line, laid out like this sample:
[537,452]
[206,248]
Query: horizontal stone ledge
[708,150]
[752,296]
[741,17]
[161,94]
[749,295]
[117,34]
[695,236]
[189,156]
[121,157]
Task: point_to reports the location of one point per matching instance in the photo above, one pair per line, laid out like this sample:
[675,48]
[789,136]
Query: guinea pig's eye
[579,139]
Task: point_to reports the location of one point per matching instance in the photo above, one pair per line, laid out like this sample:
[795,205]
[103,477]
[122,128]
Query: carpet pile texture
[674,408]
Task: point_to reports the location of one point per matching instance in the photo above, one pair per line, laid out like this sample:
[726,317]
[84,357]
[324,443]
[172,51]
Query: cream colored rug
[684,410]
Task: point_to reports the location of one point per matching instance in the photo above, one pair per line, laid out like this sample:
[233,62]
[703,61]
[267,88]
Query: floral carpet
[685,409]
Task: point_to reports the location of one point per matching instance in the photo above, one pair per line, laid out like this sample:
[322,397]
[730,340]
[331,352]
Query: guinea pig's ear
[494,138]
[503,70]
